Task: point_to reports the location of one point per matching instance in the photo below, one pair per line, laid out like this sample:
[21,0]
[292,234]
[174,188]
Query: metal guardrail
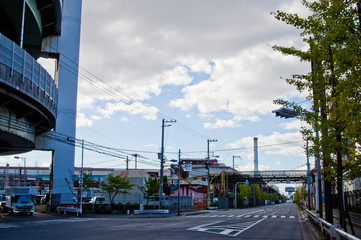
[22,72]
[151,212]
[332,230]
[68,209]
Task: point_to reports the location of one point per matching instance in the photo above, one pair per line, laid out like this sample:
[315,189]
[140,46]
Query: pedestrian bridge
[273,176]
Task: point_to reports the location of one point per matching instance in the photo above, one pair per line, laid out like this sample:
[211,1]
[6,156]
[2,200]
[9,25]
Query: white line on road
[202,227]
[6,225]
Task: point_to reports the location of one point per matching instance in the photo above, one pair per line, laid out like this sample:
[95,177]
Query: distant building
[136,177]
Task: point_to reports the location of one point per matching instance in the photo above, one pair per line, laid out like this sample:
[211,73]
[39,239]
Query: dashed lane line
[242,216]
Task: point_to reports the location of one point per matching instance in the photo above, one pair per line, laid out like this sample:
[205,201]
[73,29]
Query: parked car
[98,200]
[2,202]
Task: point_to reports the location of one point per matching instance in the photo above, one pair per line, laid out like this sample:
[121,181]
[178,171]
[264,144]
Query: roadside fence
[329,229]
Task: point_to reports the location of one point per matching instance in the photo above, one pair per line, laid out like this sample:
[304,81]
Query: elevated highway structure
[32,102]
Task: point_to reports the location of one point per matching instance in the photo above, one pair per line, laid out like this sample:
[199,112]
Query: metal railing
[332,230]
[21,71]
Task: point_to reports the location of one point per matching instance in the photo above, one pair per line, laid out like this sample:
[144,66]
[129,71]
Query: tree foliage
[150,187]
[300,195]
[114,185]
[332,32]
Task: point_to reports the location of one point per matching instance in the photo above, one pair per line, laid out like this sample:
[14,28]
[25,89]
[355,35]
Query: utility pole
[179,178]
[81,177]
[127,162]
[135,156]
[208,173]
[233,160]
[24,159]
[162,160]
[308,179]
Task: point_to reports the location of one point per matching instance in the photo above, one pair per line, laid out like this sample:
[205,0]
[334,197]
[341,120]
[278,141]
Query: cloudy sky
[207,64]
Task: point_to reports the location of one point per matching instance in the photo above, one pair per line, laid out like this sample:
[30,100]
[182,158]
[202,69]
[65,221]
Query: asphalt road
[269,222]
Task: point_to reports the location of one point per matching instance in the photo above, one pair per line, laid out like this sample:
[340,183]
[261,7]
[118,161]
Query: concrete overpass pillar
[67,49]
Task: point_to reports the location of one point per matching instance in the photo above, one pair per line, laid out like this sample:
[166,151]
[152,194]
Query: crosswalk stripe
[210,216]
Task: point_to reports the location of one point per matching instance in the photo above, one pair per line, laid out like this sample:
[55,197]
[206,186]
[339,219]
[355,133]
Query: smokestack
[255,142]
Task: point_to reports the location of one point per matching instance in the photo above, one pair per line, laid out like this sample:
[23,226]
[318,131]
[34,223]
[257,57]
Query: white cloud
[220,123]
[148,112]
[287,144]
[243,85]
[124,119]
[250,167]
[83,121]
[295,124]
[94,117]
[139,47]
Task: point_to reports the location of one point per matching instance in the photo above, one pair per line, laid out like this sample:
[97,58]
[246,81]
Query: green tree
[114,185]
[245,191]
[88,181]
[150,188]
[300,196]
[333,33]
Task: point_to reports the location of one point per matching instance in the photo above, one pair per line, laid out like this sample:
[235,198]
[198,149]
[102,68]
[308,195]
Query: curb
[309,232]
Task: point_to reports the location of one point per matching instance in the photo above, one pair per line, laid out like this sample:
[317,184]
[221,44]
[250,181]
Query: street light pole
[162,161]
[208,173]
[308,179]
[24,160]
[81,177]
[235,194]
[179,178]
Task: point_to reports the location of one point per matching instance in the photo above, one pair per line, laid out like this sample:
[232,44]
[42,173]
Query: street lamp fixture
[24,160]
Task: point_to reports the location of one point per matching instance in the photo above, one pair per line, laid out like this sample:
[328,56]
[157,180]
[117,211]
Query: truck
[19,200]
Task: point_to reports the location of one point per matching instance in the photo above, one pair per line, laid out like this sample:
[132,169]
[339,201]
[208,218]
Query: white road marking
[274,216]
[247,216]
[256,216]
[6,225]
[231,216]
[229,230]
[283,216]
[240,215]
[292,216]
